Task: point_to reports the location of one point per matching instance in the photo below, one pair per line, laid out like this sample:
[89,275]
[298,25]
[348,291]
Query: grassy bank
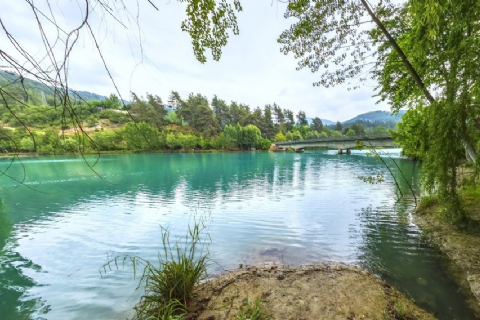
[461,243]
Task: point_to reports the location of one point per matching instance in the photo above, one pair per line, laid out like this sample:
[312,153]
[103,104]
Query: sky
[157,57]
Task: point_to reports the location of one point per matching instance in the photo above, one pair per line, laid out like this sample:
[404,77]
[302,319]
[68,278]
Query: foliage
[302,118]
[317,124]
[253,311]
[414,47]
[280,137]
[427,202]
[207,23]
[312,135]
[410,134]
[350,133]
[250,136]
[140,136]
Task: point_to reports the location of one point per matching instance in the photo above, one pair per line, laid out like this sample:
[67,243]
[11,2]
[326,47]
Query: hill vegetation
[31,122]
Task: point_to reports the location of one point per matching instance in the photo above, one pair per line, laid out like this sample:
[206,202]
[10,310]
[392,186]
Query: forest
[31,123]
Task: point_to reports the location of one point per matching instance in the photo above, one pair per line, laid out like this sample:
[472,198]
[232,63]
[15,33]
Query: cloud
[157,57]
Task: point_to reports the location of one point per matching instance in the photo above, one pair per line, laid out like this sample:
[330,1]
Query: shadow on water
[13,283]
[390,248]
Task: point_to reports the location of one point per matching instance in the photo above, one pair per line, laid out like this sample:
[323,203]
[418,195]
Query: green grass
[150,308]
[427,202]
[254,311]
[168,285]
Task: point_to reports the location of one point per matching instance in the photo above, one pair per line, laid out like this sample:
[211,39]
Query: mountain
[378,116]
[324,121]
[327,122]
[11,79]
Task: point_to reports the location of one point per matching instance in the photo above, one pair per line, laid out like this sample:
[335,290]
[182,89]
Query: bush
[27,144]
[263,144]
[350,133]
[280,137]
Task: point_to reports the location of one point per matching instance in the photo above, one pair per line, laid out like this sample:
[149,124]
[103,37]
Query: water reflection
[285,207]
[14,303]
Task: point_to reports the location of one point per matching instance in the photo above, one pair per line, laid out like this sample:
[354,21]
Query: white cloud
[252,70]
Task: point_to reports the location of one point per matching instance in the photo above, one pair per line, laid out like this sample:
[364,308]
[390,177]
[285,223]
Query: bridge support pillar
[349,151]
[340,151]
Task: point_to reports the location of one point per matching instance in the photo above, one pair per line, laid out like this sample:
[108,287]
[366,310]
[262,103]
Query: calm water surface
[58,230]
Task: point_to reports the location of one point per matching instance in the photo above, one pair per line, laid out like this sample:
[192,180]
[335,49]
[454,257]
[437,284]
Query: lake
[63,223]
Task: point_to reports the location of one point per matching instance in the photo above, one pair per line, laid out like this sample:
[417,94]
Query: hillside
[37,92]
[378,116]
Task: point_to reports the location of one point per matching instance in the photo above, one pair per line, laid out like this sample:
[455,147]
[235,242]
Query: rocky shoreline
[311,292]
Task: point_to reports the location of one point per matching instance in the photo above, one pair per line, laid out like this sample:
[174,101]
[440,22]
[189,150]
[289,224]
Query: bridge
[340,143]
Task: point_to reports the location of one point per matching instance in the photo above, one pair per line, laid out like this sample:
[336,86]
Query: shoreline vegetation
[146,124]
[460,242]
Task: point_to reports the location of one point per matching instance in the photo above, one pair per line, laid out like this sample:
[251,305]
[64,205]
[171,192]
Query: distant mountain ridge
[378,116]
[372,116]
[12,79]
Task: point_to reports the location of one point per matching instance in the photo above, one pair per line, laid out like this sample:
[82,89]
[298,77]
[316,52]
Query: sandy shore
[323,291]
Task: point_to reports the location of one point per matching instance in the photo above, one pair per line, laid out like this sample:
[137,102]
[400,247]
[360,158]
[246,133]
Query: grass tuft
[168,285]
[427,202]
[254,311]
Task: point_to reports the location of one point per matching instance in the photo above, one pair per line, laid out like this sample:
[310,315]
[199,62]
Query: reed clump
[168,284]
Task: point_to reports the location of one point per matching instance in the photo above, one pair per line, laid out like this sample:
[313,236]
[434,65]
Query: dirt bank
[324,291]
[462,245]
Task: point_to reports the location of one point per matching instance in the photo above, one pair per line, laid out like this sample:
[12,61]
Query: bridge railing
[338,138]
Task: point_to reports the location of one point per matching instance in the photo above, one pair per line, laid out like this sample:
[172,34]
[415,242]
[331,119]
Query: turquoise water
[58,229]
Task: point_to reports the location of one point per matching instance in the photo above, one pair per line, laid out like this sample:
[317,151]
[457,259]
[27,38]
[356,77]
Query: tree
[238,113]
[418,47]
[268,127]
[358,129]
[302,118]
[160,112]
[279,116]
[207,22]
[255,118]
[251,136]
[338,126]
[231,136]
[290,121]
[280,137]
[411,134]
[150,111]
[221,111]
[312,135]
[141,136]
[317,124]
[197,113]
[350,133]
